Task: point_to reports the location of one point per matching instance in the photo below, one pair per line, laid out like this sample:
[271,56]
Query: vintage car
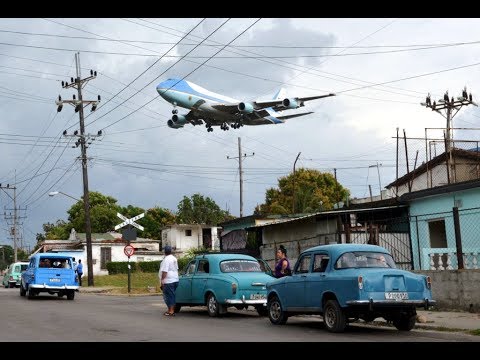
[12,275]
[347,282]
[51,273]
[220,281]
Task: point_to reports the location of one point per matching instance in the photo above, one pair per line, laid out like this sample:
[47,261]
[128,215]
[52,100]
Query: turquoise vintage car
[51,273]
[220,281]
[347,282]
[12,275]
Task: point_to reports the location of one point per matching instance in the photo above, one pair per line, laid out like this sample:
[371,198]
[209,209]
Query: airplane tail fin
[280,94]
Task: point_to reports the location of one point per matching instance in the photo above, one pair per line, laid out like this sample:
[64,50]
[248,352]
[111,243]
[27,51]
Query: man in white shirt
[168,275]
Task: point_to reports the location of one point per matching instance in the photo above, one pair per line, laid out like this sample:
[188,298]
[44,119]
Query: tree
[201,210]
[314,191]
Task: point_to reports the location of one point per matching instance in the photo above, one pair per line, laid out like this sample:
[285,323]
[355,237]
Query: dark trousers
[79,278]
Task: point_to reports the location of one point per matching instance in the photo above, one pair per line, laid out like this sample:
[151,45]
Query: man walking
[79,271]
[168,275]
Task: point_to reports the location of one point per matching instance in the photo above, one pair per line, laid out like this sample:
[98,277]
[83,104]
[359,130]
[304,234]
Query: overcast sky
[380,69]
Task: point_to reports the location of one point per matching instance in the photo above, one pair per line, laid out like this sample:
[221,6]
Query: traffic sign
[129,250]
[128,221]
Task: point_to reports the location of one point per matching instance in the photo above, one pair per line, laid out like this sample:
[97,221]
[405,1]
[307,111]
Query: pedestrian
[168,276]
[282,267]
[79,271]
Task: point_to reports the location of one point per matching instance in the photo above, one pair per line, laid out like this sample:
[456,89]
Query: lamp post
[88,235]
[379,184]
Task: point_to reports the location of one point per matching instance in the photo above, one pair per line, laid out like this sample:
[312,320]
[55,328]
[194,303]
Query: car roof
[337,249]
[51,256]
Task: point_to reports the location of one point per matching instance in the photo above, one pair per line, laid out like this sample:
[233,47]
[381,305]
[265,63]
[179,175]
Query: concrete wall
[455,289]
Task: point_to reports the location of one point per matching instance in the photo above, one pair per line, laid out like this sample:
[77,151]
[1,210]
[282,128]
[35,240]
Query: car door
[295,284]
[183,295]
[316,282]
[199,281]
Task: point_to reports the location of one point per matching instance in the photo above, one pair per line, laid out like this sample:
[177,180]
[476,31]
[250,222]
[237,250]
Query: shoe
[168,314]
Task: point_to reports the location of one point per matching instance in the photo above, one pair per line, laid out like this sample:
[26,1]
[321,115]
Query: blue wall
[441,207]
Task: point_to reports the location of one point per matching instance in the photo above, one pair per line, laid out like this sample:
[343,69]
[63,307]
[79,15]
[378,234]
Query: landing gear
[224,126]
[174,111]
[209,127]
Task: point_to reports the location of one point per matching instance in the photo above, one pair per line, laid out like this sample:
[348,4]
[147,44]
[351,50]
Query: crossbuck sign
[128,221]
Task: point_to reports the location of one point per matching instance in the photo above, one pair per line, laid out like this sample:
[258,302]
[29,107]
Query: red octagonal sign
[129,250]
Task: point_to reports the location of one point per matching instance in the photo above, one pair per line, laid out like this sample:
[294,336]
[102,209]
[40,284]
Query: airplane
[218,110]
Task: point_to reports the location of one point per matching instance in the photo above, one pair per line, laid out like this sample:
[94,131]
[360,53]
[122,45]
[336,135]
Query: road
[106,318]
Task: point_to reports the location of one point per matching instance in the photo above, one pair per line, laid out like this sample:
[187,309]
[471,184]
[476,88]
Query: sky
[380,69]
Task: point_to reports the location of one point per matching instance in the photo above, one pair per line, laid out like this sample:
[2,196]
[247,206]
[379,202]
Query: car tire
[22,290]
[213,307]
[31,293]
[261,310]
[275,311]
[177,308]
[405,322]
[334,317]
[70,294]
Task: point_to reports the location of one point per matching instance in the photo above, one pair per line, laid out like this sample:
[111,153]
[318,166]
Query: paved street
[104,318]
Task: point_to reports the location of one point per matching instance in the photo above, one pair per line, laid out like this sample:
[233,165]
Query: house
[182,237]
[106,247]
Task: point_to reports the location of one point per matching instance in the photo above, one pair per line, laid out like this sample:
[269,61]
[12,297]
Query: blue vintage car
[220,281]
[51,273]
[347,282]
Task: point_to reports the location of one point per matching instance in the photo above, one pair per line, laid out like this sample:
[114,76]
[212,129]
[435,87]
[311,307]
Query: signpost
[129,250]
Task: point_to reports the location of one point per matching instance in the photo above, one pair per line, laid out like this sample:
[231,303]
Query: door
[295,284]
[199,281]
[183,295]
[316,281]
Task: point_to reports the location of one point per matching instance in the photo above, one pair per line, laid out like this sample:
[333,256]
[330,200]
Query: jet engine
[290,103]
[172,125]
[179,119]
[245,107]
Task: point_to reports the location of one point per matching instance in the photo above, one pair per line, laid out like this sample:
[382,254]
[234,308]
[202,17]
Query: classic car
[12,275]
[51,273]
[221,280]
[347,282]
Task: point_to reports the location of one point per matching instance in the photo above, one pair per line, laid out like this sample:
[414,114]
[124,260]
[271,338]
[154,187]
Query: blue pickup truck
[52,273]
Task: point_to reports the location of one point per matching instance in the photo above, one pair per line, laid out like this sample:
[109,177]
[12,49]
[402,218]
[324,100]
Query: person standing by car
[282,268]
[79,271]
[168,275]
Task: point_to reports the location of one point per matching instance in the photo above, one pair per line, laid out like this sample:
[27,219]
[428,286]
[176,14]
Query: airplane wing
[276,105]
[285,117]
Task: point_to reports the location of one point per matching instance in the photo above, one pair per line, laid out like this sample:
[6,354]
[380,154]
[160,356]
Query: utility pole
[451,107]
[14,225]
[83,141]
[293,191]
[239,157]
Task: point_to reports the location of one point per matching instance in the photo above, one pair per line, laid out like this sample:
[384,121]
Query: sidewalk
[444,320]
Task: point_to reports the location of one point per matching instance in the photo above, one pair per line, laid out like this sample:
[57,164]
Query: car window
[203,266]
[303,265]
[190,269]
[364,259]
[320,262]
[23,267]
[228,266]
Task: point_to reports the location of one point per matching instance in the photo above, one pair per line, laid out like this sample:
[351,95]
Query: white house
[182,237]
[106,247]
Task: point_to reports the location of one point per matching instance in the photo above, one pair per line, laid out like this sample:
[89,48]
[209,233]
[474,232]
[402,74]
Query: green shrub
[148,266]
[119,267]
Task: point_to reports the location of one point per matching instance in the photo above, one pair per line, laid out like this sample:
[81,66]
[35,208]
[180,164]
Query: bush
[119,267]
[148,266]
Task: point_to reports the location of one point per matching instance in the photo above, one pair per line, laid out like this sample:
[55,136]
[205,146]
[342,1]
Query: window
[105,257]
[438,236]
[188,232]
[190,269]
[320,262]
[304,264]
[203,267]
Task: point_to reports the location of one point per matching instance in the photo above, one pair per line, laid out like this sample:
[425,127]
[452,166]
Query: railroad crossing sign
[128,221]
[129,250]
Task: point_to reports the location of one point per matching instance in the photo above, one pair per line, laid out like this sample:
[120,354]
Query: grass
[140,283]
[475,332]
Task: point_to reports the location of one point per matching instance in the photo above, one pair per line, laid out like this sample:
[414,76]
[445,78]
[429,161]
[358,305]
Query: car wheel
[405,322]
[22,290]
[261,310]
[31,293]
[212,305]
[334,317]
[177,308]
[275,312]
[70,295]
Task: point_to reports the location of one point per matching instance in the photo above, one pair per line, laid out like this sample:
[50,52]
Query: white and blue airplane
[213,109]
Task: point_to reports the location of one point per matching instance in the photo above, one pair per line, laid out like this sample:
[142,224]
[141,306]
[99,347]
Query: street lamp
[88,234]
[379,184]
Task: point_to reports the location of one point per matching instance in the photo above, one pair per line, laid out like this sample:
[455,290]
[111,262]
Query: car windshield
[363,259]
[229,266]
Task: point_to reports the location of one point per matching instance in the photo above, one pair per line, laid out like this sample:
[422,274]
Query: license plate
[55,280]
[257,296]
[396,296]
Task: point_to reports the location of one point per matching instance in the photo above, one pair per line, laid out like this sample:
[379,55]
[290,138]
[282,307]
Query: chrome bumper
[61,287]
[244,301]
[424,302]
